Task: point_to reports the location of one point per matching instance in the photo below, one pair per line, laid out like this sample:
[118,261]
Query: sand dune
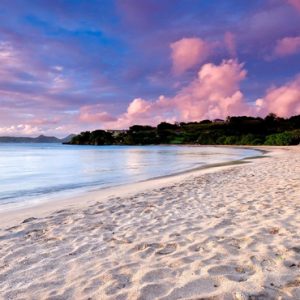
[228,234]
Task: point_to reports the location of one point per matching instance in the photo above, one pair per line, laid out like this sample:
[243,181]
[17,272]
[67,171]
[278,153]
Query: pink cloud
[138,106]
[41,85]
[94,114]
[145,112]
[295,3]
[20,129]
[283,101]
[187,53]
[9,61]
[44,121]
[229,39]
[214,93]
[31,130]
[287,46]
[14,61]
[22,122]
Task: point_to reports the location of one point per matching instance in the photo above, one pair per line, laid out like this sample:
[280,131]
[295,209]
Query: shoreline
[223,233]
[13,215]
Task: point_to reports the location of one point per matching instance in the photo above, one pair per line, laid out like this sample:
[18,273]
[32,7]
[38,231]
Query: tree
[237,130]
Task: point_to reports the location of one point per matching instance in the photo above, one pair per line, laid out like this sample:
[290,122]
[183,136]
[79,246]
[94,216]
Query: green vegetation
[271,130]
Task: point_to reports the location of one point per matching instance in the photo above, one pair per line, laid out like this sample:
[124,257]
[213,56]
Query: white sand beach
[230,232]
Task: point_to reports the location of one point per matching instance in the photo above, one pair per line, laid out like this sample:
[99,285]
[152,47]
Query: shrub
[283,139]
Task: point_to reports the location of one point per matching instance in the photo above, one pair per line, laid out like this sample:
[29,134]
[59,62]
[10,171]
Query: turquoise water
[37,172]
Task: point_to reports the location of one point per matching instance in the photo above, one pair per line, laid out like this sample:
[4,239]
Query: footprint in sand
[93,286]
[120,282]
[232,272]
[157,275]
[152,291]
[168,249]
[198,287]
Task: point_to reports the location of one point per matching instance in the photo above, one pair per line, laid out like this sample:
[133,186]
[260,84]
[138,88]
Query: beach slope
[230,233]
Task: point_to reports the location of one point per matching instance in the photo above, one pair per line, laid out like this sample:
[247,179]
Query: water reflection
[31,171]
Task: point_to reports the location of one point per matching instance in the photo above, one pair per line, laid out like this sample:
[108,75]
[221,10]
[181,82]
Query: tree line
[243,130]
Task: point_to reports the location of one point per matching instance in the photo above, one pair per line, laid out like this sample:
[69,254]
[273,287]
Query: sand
[222,233]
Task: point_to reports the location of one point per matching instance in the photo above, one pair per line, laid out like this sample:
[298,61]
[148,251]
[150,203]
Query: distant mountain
[39,139]
[68,138]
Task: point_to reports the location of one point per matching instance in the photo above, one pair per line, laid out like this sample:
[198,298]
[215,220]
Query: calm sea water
[35,172]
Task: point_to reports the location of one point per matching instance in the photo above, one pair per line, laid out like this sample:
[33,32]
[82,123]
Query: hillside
[39,139]
[244,130]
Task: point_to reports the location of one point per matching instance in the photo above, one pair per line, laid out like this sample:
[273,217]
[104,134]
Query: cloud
[187,53]
[20,129]
[9,61]
[23,75]
[287,46]
[145,112]
[94,114]
[44,121]
[295,3]
[263,27]
[58,68]
[52,66]
[230,43]
[215,93]
[283,101]
[138,106]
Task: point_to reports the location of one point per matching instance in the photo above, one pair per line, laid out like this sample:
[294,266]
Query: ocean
[32,173]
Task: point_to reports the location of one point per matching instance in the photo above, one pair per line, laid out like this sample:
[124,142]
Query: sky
[68,65]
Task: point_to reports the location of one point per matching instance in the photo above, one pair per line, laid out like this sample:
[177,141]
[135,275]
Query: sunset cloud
[94,114]
[10,61]
[230,43]
[141,111]
[213,94]
[138,106]
[283,100]
[187,53]
[287,46]
[111,71]
[20,129]
[295,3]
